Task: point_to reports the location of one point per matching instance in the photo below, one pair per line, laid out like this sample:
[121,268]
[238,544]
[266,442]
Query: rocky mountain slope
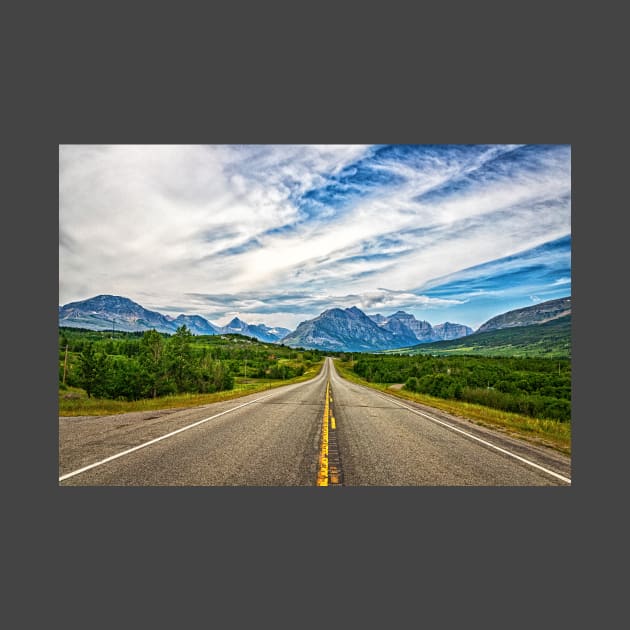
[448,331]
[422,329]
[536,314]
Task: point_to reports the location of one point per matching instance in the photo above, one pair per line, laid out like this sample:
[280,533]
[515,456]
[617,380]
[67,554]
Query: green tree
[221,378]
[126,380]
[92,369]
[180,360]
[152,360]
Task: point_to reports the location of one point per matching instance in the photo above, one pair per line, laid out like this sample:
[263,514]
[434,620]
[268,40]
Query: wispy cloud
[223,229]
[561,281]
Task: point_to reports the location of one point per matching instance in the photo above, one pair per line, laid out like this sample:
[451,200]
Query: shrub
[412,384]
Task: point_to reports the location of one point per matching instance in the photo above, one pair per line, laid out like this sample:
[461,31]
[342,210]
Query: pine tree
[91,369]
[152,360]
[179,360]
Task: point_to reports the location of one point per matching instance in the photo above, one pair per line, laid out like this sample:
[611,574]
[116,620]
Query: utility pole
[65,365]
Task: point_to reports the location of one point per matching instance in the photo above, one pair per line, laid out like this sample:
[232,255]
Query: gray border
[90,76]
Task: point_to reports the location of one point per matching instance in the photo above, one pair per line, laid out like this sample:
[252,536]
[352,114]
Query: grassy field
[550,433]
[73,401]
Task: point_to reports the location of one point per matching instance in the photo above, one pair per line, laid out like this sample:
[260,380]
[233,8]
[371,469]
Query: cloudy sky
[277,234]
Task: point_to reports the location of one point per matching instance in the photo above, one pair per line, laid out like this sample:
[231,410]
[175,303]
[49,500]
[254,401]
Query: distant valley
[551,339]
[542,330]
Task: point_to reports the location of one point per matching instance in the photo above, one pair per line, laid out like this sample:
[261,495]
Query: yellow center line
[322,475]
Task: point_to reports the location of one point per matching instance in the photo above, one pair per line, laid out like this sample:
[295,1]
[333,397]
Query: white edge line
[163,437]
[474,437]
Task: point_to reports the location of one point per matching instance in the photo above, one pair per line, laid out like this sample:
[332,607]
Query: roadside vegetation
[105,372]
[528,398]
[101,372]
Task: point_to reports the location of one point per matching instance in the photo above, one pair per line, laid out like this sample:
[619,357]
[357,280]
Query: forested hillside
[549,340]
[135,365]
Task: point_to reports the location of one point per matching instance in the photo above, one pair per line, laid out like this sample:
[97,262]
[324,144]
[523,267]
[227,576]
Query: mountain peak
[236,323]
[349,329]
[332,312]
[104,299]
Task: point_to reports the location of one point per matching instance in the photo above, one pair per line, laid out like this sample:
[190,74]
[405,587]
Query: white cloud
[383,298]
[561,281]
[157,223]
[138,212]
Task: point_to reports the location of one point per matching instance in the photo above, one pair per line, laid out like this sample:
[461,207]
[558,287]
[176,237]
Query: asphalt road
[273,438]
[385,441]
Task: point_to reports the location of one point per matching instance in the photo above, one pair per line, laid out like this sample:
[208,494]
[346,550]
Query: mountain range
[105,312]
[259,331]
[422,330]
[336,329]
[352,330]
[541,330]
[550,339]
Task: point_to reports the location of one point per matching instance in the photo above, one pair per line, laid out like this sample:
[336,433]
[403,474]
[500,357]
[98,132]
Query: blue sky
[279,233]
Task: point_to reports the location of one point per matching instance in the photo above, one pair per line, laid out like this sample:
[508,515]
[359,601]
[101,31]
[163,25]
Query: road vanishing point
[325,432]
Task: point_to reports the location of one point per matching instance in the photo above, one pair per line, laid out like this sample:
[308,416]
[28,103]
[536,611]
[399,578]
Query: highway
[326,432]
